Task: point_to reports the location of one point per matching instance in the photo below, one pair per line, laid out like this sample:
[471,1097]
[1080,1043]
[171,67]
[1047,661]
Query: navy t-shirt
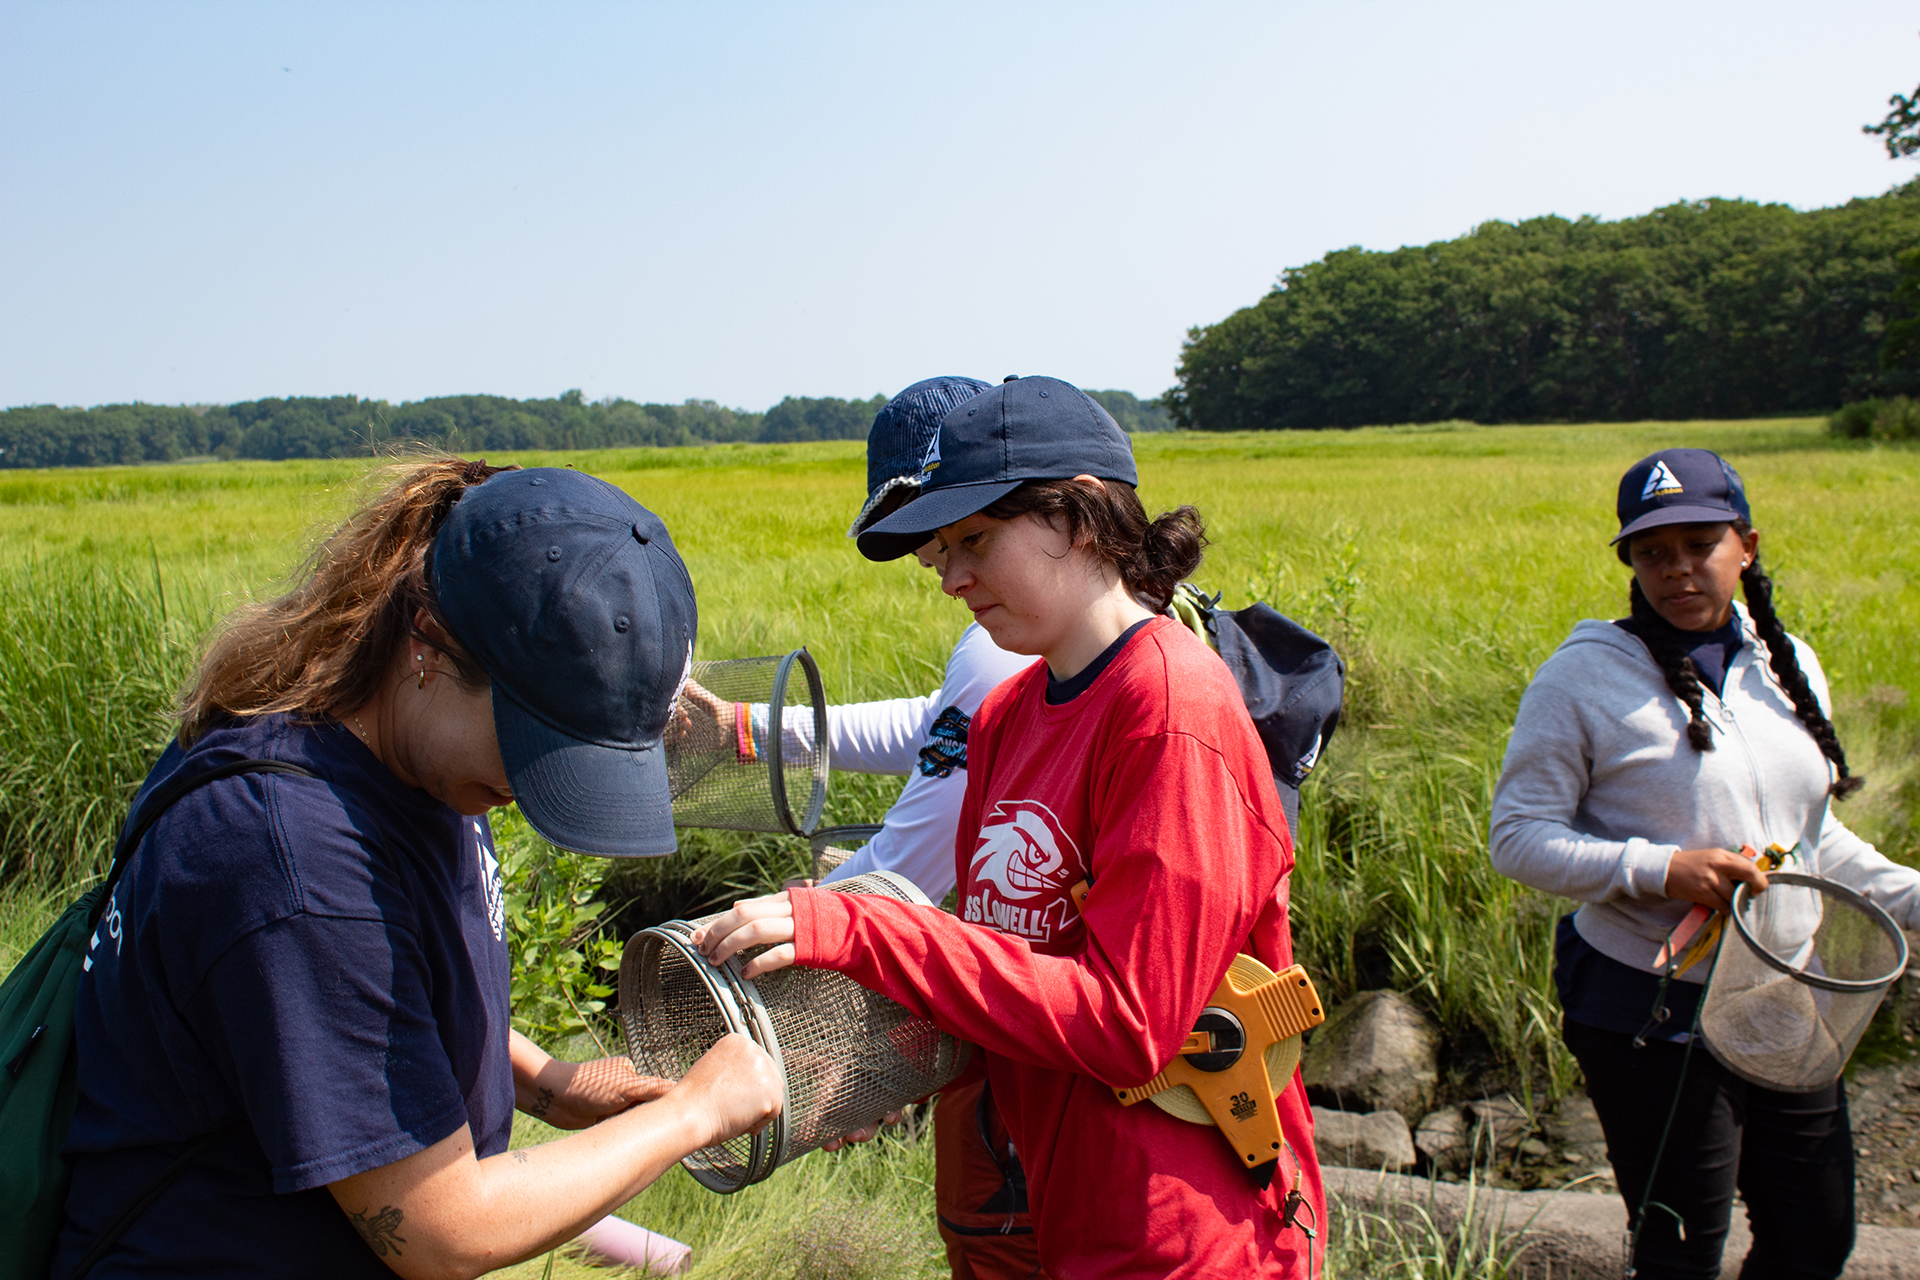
[313,967]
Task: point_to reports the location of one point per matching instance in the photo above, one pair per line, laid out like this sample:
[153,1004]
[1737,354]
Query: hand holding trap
[846,1056]
[746,742]
[1796,981]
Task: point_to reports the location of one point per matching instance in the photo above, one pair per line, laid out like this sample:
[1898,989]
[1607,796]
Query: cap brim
[907,530]
[608,801]
[1677,515]
[874,499]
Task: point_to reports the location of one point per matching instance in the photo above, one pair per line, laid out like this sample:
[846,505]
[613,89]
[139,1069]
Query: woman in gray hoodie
[1646,751]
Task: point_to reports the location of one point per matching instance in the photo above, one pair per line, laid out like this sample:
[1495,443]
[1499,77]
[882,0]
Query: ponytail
[323,648]
[1151,557]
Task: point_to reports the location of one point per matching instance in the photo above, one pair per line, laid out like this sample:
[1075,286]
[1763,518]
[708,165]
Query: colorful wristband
[743,733]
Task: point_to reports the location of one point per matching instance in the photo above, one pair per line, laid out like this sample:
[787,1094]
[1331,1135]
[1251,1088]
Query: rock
[1445,1139]
[1378,1052]
[1534,1149]
[1378,1140]
[1568,1237]
[1506,1122]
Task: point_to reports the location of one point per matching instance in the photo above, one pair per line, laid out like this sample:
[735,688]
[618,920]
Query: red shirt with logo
[1153,785]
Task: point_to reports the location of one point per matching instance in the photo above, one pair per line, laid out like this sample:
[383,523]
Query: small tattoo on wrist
[519,1157]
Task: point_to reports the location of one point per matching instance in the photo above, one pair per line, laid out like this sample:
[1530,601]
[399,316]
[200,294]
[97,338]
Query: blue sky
[211,202]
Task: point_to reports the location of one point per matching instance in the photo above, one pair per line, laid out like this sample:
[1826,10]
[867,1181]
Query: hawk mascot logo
[1022,870]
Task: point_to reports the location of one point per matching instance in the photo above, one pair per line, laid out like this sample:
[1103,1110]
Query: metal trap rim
[776,745]
[1819,884]
[720,983]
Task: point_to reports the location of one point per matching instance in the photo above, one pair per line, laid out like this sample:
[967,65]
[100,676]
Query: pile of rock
[1372,1073]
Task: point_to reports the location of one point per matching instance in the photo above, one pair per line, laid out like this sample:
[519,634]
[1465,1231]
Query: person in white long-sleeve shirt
[980,1189]
[1650,758]
[926,739]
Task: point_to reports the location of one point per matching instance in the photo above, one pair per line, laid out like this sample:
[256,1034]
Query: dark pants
[1789,1154]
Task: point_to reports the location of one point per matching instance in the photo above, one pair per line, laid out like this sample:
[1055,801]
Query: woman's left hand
[756,922]
[576,1095]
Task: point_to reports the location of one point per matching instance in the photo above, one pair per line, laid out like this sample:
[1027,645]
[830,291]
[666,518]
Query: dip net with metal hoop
[846,1056]
[1796,981]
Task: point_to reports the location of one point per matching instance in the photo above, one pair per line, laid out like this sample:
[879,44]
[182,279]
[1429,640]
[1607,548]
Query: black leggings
[1789,1154]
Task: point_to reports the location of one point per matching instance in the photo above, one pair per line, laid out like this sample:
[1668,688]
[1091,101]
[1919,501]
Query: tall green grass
[1446,562]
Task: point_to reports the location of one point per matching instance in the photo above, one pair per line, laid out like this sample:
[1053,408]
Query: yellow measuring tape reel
[1244,1047]
[1242,1052]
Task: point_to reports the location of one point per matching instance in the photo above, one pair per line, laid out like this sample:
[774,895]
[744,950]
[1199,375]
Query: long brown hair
[323,647]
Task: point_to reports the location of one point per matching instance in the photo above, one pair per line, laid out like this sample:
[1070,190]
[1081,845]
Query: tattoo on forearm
[540,1104]
[519,1157]
[381,1231]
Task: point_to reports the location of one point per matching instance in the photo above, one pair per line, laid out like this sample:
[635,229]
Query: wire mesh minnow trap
[1796,981]
[728,767]
[846,1056]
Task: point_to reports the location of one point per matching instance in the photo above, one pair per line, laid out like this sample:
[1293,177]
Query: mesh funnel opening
[846,1056]
[1796,981]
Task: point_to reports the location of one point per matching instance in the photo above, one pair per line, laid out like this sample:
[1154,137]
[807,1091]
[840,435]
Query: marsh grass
[1445,562]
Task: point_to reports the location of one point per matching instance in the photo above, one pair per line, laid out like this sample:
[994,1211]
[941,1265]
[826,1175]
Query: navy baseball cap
[1024,429]
[902,436]
[573,598]
[1679,486]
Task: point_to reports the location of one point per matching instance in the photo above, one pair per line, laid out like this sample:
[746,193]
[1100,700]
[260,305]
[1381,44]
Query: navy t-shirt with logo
[316,969]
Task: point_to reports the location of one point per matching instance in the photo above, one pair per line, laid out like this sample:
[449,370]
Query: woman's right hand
[733,1089]
[701,722]
[1708,876]
[755,922]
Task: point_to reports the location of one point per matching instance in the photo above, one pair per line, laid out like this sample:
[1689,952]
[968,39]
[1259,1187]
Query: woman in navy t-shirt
[314,969]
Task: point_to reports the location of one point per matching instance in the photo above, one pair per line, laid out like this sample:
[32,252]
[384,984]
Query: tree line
[1709,308]
[340,426]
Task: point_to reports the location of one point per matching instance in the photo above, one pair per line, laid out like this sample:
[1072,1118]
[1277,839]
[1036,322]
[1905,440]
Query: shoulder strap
[137,827]
[163,799]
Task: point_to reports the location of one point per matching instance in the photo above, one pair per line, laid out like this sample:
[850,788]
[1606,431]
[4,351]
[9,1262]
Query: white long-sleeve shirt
[924,738]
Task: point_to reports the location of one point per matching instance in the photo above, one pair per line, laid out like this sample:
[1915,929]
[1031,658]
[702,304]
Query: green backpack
[41,1083]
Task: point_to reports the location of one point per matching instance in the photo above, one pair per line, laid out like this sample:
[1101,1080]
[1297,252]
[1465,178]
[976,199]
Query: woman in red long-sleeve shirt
[1126,760]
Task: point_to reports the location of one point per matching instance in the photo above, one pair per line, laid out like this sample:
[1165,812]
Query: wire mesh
[1797,980]
[847,1056]
[727,769]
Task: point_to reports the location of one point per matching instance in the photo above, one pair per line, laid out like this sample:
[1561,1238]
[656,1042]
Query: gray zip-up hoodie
[1600,788]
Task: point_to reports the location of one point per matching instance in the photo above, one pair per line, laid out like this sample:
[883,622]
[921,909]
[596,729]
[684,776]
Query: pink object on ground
[620,1242]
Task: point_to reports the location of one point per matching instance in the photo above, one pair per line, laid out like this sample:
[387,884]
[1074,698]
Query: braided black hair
[1758,588]
[1669,646]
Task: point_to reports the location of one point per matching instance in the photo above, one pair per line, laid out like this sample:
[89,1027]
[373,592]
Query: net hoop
[741,1007]
[1856,986]
[776,717]
[722,983]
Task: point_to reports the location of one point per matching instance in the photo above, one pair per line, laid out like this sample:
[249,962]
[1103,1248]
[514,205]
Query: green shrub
[563,962]
[1895,418]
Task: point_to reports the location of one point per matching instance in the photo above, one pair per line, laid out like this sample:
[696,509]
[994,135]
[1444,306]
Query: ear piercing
[422,658]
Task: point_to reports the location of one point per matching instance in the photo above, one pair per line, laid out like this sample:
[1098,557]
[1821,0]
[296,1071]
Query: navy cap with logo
[1024,429]
[572,596]
[902,436]
[1679,486]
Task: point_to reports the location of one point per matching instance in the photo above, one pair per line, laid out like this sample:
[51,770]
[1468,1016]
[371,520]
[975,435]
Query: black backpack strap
[140,1203]
[163,799]
[137,827]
